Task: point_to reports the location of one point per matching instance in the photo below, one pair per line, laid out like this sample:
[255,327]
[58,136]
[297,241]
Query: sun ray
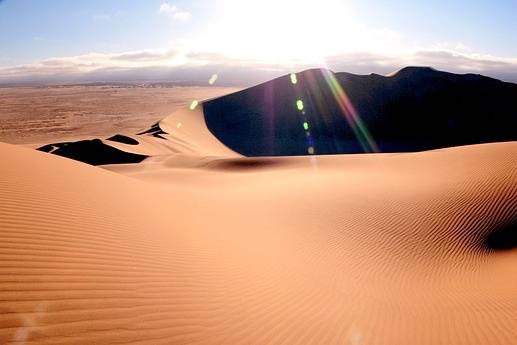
[351,115]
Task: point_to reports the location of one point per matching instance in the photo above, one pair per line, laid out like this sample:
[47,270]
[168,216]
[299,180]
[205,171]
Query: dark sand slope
[415,109]
[95,152]
[363,249]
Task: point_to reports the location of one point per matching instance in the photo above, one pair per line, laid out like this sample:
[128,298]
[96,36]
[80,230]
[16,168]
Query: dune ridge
[366,249]
[323,112]
[182,133]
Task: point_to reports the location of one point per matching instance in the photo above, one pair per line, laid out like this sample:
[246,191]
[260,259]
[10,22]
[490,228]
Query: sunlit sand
[197,244]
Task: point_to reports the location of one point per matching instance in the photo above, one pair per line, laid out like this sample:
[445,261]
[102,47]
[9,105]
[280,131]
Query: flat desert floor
[38,115]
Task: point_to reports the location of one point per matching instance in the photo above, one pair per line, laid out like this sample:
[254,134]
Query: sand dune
[183,132]
[369,249]
[190,242]
[415,109]
[323,112]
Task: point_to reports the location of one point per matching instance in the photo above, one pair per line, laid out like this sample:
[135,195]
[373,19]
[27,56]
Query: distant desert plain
[41,114]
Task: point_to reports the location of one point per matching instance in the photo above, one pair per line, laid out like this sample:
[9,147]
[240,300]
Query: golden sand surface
[199,245]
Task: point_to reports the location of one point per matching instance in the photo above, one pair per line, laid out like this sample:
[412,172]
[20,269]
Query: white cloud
[184,66]
[441,59]
[182,16]
[87,63]
[167,8]
[175,12]
[448,46]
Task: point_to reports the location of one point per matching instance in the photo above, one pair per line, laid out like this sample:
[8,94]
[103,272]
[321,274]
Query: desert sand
[198,244]
[369,249]
[39,115]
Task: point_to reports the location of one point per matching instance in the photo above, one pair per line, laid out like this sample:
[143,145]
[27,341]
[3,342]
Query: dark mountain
[415,109]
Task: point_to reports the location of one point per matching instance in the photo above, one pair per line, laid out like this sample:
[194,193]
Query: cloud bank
[197,67]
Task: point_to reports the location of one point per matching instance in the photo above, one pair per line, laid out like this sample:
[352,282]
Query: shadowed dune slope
[362,249]
[94,152]
[415,109]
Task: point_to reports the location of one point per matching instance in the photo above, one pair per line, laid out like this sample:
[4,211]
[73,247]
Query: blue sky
[63,37]
[35,29]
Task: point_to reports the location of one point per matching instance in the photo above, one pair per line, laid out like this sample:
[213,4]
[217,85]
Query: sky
[247,41]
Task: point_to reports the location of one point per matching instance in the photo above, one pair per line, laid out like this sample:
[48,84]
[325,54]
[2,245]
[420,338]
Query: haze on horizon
[244,42]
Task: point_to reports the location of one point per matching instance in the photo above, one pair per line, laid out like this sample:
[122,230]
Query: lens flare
[352,117]
[299,104]
[306,126]
[294,78]
[213,79]
[193,105]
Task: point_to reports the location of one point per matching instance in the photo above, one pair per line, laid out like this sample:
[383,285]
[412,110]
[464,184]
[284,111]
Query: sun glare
[282,31]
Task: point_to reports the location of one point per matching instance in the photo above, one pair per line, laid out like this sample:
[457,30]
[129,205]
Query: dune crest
[322,112]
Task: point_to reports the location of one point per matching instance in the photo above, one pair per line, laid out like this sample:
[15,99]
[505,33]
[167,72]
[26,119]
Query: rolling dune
[191,242]
[369,249]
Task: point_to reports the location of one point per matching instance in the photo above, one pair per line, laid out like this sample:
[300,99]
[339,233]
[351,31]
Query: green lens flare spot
[299,104]
[193,105]
[311,150]
[294,78]
[306,126]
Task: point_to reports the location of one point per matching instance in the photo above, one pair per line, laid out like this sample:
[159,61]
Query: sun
[280,31]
